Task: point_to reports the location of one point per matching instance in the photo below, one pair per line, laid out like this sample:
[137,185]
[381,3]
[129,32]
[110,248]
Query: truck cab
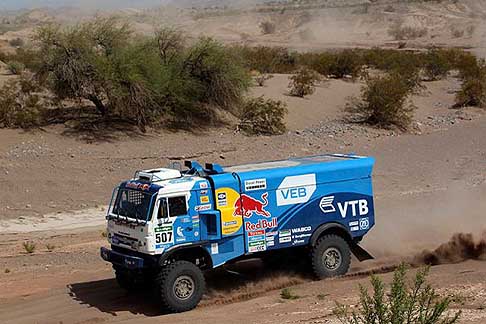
[166,226]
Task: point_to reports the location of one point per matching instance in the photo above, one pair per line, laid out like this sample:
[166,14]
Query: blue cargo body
[283,202]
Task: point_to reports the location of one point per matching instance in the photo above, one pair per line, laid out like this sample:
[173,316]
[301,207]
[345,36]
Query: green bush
[384,102]
[15,67]
[417,303]
[145,80]
[302,83]
[20,104]
[263,116]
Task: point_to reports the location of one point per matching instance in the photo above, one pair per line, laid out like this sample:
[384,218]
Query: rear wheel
[331,256]
[180,286]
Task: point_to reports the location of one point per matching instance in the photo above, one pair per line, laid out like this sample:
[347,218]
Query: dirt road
[427,187]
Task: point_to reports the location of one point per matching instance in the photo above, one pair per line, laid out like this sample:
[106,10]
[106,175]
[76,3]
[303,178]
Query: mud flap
[360,253]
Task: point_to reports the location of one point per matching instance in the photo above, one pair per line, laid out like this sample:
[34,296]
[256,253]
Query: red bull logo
[246,206]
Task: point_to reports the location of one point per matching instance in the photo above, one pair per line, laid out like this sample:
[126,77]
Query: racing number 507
[163,237]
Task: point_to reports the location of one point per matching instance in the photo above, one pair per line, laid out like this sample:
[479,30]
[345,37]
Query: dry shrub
[261,78]
[473,89]
[472,93]
[336,65]
[384,102]
[15,67]
[266,59]
[267,27]
[400,32]
[263,116]
[436,65]
[302,83]
[20,104]
[17,42]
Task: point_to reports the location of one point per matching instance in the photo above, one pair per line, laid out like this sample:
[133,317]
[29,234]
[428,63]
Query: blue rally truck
[167,226]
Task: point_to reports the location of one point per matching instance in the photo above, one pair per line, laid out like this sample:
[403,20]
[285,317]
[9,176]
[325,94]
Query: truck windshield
[133,204]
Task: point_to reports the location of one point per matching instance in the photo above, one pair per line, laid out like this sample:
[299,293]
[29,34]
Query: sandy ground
[428,186]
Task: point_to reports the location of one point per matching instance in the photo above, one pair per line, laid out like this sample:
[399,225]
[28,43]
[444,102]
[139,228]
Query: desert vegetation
[303,83]
[410,303]
[165,79]
[263,116]
[384,102]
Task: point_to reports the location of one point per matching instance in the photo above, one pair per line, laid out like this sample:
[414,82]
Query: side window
[162,209]
[177,206]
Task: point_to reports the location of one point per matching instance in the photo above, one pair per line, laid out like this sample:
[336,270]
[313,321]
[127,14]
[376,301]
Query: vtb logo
[356,207]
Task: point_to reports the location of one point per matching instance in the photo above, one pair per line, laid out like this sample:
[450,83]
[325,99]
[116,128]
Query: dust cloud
[459,248]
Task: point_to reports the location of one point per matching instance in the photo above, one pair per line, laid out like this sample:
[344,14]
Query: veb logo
[296,189]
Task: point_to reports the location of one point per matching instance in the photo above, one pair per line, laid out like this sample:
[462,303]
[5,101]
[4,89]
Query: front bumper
[120,259]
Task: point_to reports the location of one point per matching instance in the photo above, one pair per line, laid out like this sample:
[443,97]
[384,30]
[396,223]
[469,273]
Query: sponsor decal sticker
[301,229]
[284,236]
[355,207]
[296,189]
[204,199]
[203,185]
[180,234]
[257,246]
[202,207]
[255,184]
[222,200]
[203,192]
[298,242]
[255,233]
[247,205]
[364,223]
[164,234]
[261,224]
[214,248]
[326,205]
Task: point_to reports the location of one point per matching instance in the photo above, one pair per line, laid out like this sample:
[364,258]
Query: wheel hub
[183,287]
[332,258]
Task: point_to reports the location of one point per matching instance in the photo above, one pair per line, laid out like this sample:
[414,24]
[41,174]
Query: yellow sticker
[204,199]
[226,199]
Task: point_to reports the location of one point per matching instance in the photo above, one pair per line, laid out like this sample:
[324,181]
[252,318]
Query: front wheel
[180,286]
[331,256]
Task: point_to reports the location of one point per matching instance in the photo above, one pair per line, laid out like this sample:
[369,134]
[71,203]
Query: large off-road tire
[180,286]
[127,280]
[330,256]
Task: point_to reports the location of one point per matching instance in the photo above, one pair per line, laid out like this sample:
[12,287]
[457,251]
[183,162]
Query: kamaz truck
[166,226]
